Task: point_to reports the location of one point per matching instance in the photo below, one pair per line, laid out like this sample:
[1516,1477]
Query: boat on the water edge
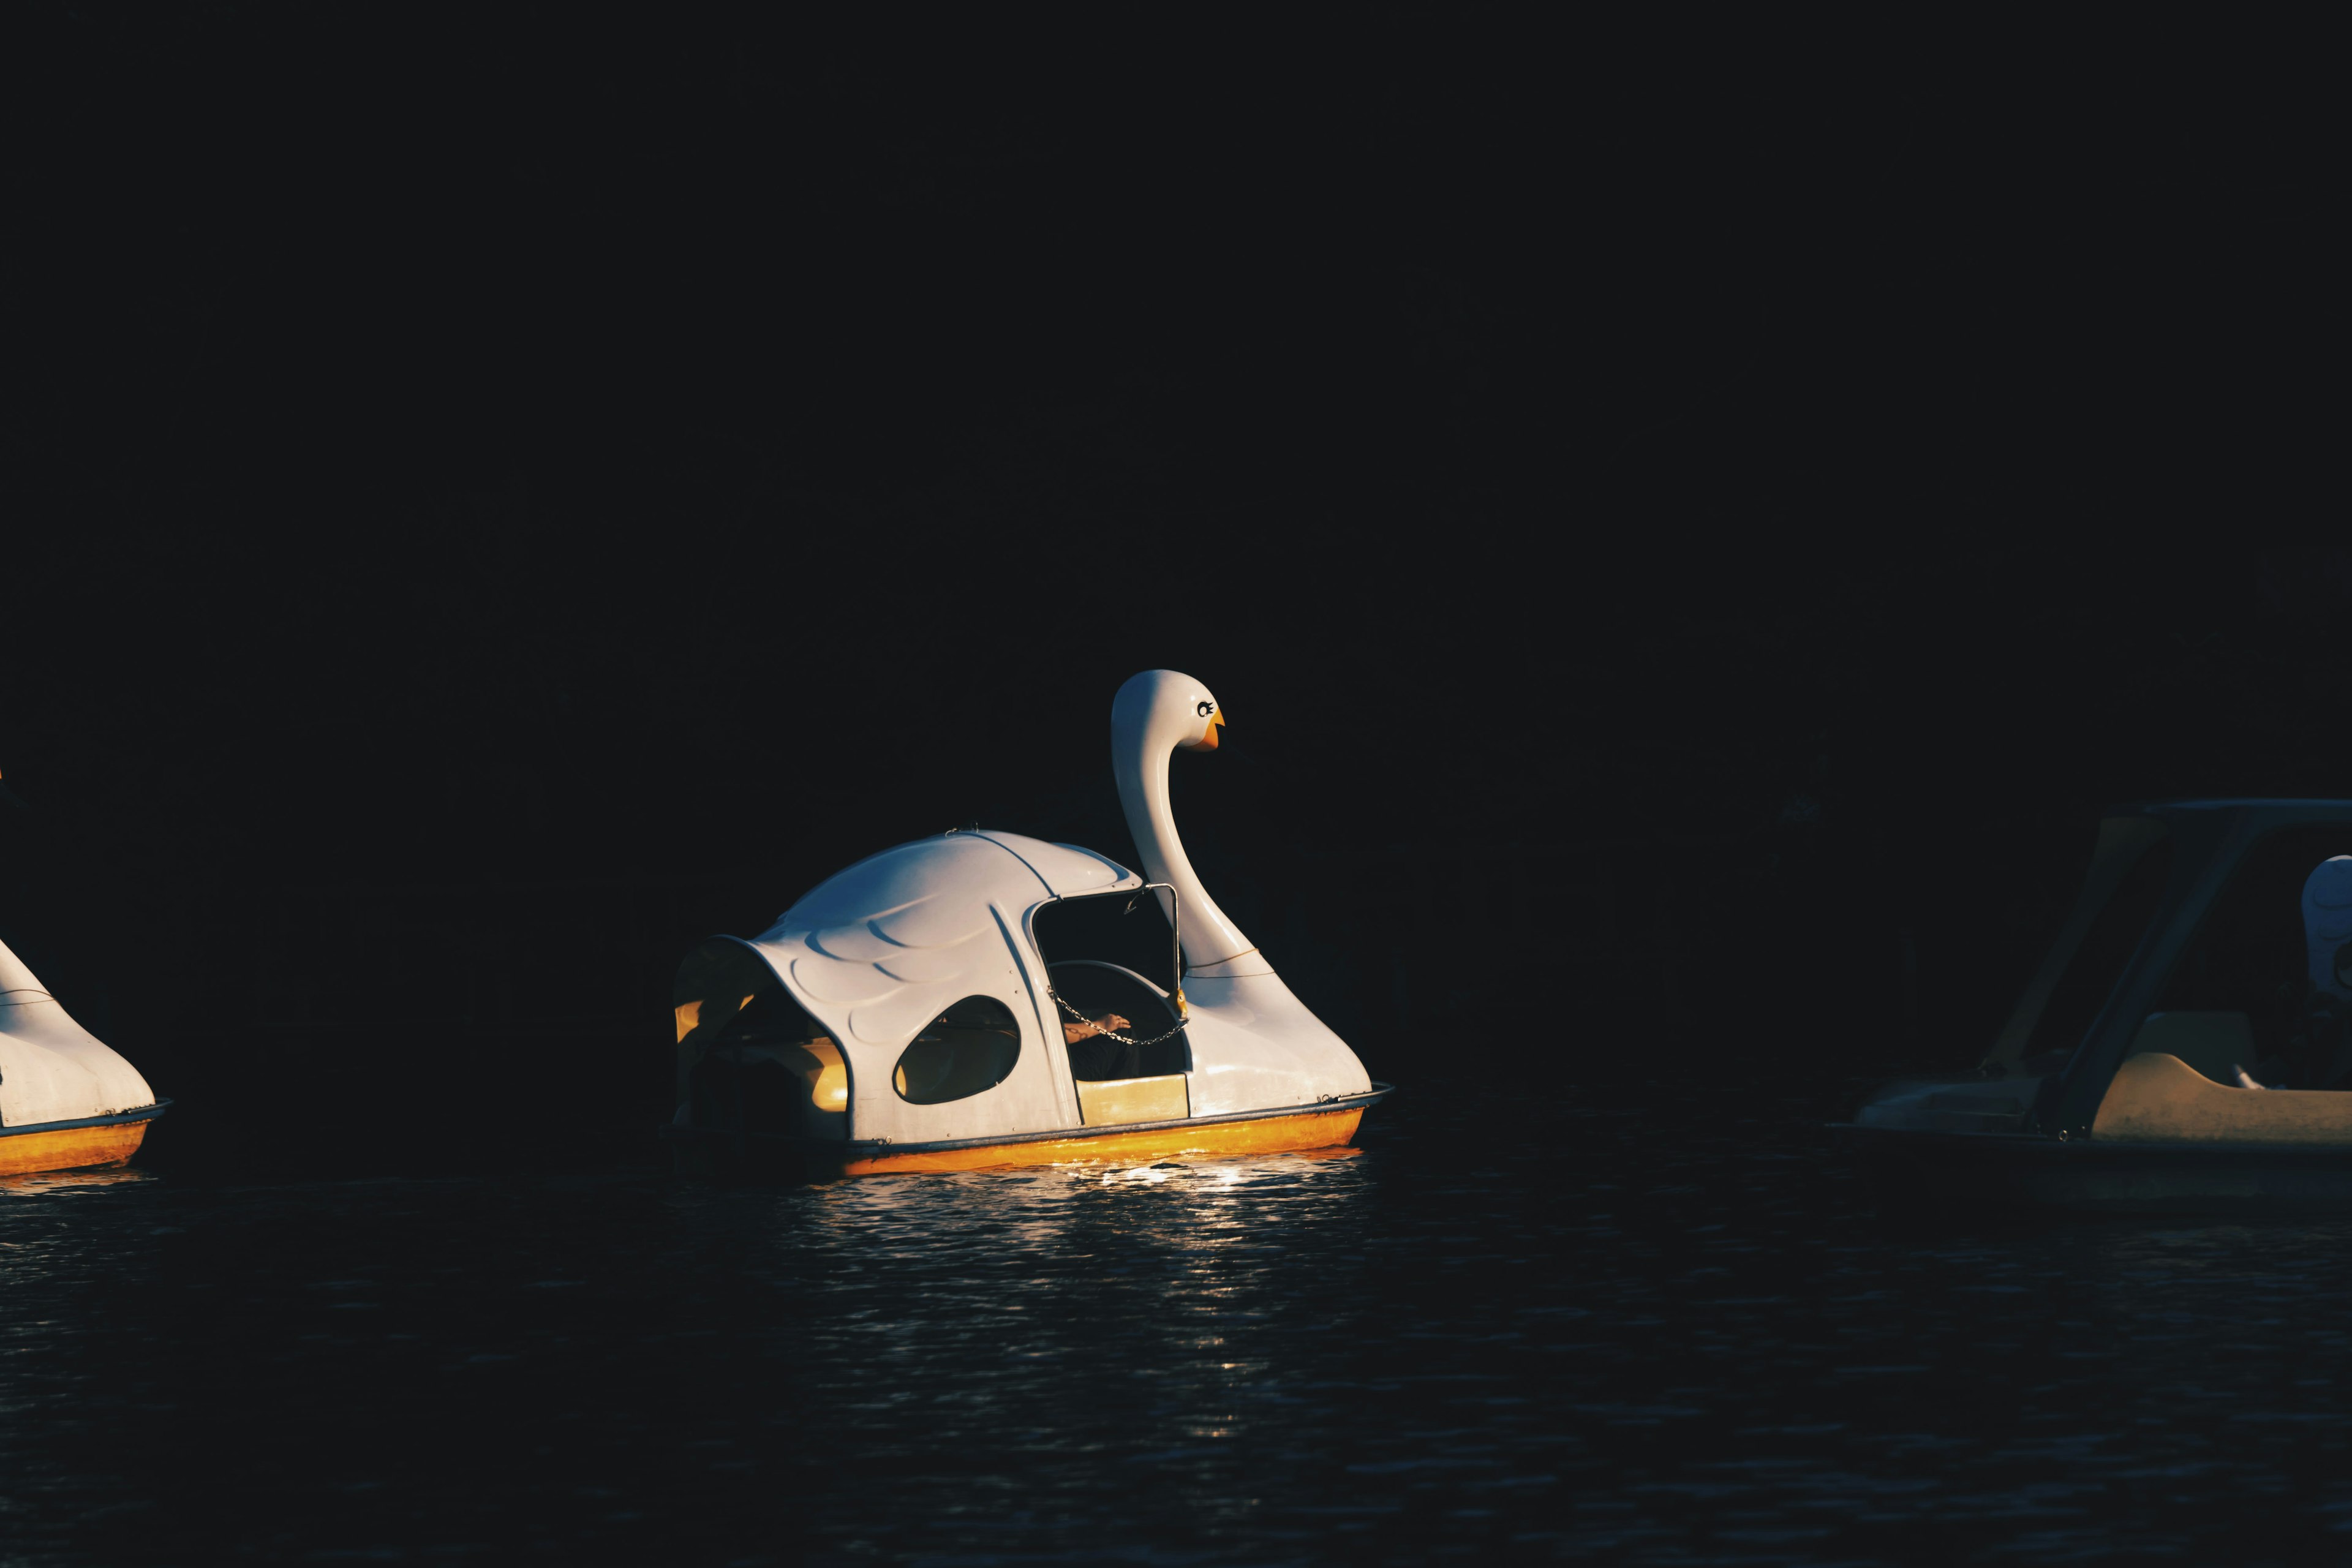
[2185,1044]
[67,1103]
[983,999]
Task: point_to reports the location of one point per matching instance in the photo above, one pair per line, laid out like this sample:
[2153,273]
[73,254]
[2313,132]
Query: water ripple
[1652,1333]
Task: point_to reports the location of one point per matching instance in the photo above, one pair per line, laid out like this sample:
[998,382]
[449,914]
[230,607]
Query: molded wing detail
[936,965]
[837,981]
[853,943]
[932,922]
[899,989]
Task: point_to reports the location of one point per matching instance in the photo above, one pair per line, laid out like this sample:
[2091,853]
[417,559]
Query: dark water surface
[1646,1330]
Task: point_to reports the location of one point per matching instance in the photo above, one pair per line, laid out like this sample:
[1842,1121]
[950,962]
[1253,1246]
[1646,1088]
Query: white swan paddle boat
[983,999]
[67,1103]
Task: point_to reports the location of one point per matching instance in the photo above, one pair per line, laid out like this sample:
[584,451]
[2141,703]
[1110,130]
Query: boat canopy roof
[906,891]
[879,949]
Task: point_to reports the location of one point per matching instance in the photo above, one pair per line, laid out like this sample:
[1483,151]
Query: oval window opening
[966,1050]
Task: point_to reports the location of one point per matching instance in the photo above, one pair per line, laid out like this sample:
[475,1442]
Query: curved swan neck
[1143,732]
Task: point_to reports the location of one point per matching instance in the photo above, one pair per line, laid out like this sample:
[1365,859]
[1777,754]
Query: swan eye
[1204,708]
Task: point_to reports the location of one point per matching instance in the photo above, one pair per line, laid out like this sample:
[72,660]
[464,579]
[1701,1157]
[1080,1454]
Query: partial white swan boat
[67,1103]
[983,999]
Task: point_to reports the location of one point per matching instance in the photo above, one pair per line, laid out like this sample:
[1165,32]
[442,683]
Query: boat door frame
[1049,1002]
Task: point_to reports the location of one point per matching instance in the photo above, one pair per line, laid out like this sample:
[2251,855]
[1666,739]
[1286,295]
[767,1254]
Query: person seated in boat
[1104,1057]
[1073,1033]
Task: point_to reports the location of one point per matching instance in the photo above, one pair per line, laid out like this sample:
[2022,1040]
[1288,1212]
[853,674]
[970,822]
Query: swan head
[1167,711]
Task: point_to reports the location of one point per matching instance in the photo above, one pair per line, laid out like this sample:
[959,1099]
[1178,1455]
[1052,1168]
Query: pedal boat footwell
[1290,1129]
[88,1143]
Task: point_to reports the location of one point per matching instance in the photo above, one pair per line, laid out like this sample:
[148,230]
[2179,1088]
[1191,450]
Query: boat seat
[2159,1098]
[2215,1044]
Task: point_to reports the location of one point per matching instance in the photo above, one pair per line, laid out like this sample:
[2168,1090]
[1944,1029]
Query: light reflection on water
[48,1183]
[1647,1329]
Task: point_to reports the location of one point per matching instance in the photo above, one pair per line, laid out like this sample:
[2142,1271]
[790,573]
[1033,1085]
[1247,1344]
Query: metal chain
[1111,1034]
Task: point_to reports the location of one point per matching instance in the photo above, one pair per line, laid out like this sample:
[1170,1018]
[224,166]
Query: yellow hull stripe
[70,1148]
[1262,1135]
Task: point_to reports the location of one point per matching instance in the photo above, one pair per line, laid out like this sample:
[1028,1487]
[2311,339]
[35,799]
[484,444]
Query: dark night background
[1689,527]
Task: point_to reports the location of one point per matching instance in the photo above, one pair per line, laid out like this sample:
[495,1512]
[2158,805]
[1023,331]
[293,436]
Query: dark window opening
[1114,954]
[2114,935]
[968,1049]
[1096,990]
[1130,930]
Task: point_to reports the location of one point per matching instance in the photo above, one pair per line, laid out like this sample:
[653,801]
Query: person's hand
[1073,1033]
[1110,1021]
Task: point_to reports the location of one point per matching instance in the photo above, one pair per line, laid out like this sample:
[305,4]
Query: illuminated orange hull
[1258,1135]
[70,1148]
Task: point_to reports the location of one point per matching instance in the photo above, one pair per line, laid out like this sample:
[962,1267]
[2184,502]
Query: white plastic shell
[51,1068]
[879,950]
